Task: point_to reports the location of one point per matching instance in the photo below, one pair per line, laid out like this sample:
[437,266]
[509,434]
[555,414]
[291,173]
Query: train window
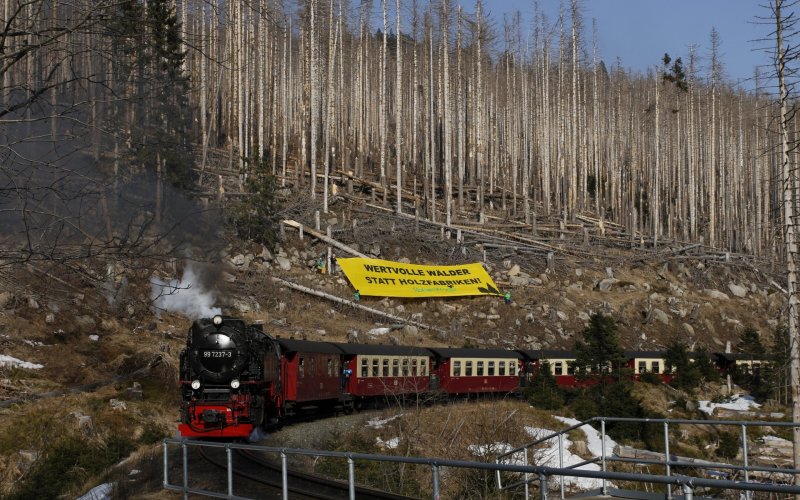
[571,368]
[423,369]
[413,367]
[558,368]
[395,367]
[468,371]
[512,368]
[656,367]
[479,371]
[301,369]
[642,366]
[490,370]
[385,367]
[375,367]
[330,367]
[405,367]
[364,367]
[456,368]
[502,369]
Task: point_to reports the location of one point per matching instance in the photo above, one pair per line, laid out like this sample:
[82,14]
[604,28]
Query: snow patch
[482,450]
[12,362]
[737,402]
[100,492]
[549,457]
[776,441]
[376,332]
[390,444]
[593,441]
[377,423]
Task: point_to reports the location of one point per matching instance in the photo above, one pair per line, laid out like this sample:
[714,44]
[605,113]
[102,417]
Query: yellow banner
[385,278]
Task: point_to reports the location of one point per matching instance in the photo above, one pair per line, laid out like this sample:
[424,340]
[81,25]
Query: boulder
[265,254]
[660,316]
[519,281]
[737,290]
[238,260]
[716,294]
[606,284]
[284,263]
[688,328]
[411,330]
[514,271]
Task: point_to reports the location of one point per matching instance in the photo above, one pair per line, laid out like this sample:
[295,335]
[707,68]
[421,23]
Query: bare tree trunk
[314,107]
[790,197]
[399,113]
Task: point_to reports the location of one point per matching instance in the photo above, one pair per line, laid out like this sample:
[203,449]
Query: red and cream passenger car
[475,371]
[379,370]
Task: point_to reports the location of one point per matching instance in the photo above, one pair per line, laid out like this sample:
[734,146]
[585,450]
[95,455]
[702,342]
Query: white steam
[186,296]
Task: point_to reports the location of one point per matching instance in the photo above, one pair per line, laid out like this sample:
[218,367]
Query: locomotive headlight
[217,320]
[195,384]
[235,383]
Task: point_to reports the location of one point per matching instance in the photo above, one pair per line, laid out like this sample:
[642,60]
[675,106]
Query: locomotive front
[225,390]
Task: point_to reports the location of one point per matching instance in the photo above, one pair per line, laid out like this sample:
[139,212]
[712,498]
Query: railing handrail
[555,434]
[541,472]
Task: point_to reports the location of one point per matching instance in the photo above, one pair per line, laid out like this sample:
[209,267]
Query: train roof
[385,350]
[295,345]
[465,352]
[738,356]
[645,354]
[546,354]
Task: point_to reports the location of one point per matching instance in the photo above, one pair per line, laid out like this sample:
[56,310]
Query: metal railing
[668,462]
[687,484]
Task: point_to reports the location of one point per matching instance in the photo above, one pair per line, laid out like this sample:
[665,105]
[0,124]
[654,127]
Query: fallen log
[331,241]
[355,305]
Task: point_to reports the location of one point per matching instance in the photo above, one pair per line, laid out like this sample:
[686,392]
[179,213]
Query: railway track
[264,480]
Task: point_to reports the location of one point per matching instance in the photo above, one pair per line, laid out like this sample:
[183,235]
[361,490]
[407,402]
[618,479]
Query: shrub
[650,378]
[543,392]
[729,444]
[70,461]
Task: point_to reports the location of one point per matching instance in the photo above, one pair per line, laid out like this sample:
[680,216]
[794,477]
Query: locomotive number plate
[217,354]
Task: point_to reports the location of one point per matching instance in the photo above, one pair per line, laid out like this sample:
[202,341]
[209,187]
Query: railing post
[526,475]
[603,451]
[284,476]
[747,494]
[688,492]
[351,477]
[542,486]
[229,456]
[561,461]
[666,459]
[166,465]
[435,473]
[185,473]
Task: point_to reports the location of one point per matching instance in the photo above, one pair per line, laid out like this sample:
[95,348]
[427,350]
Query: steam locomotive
[234,377]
